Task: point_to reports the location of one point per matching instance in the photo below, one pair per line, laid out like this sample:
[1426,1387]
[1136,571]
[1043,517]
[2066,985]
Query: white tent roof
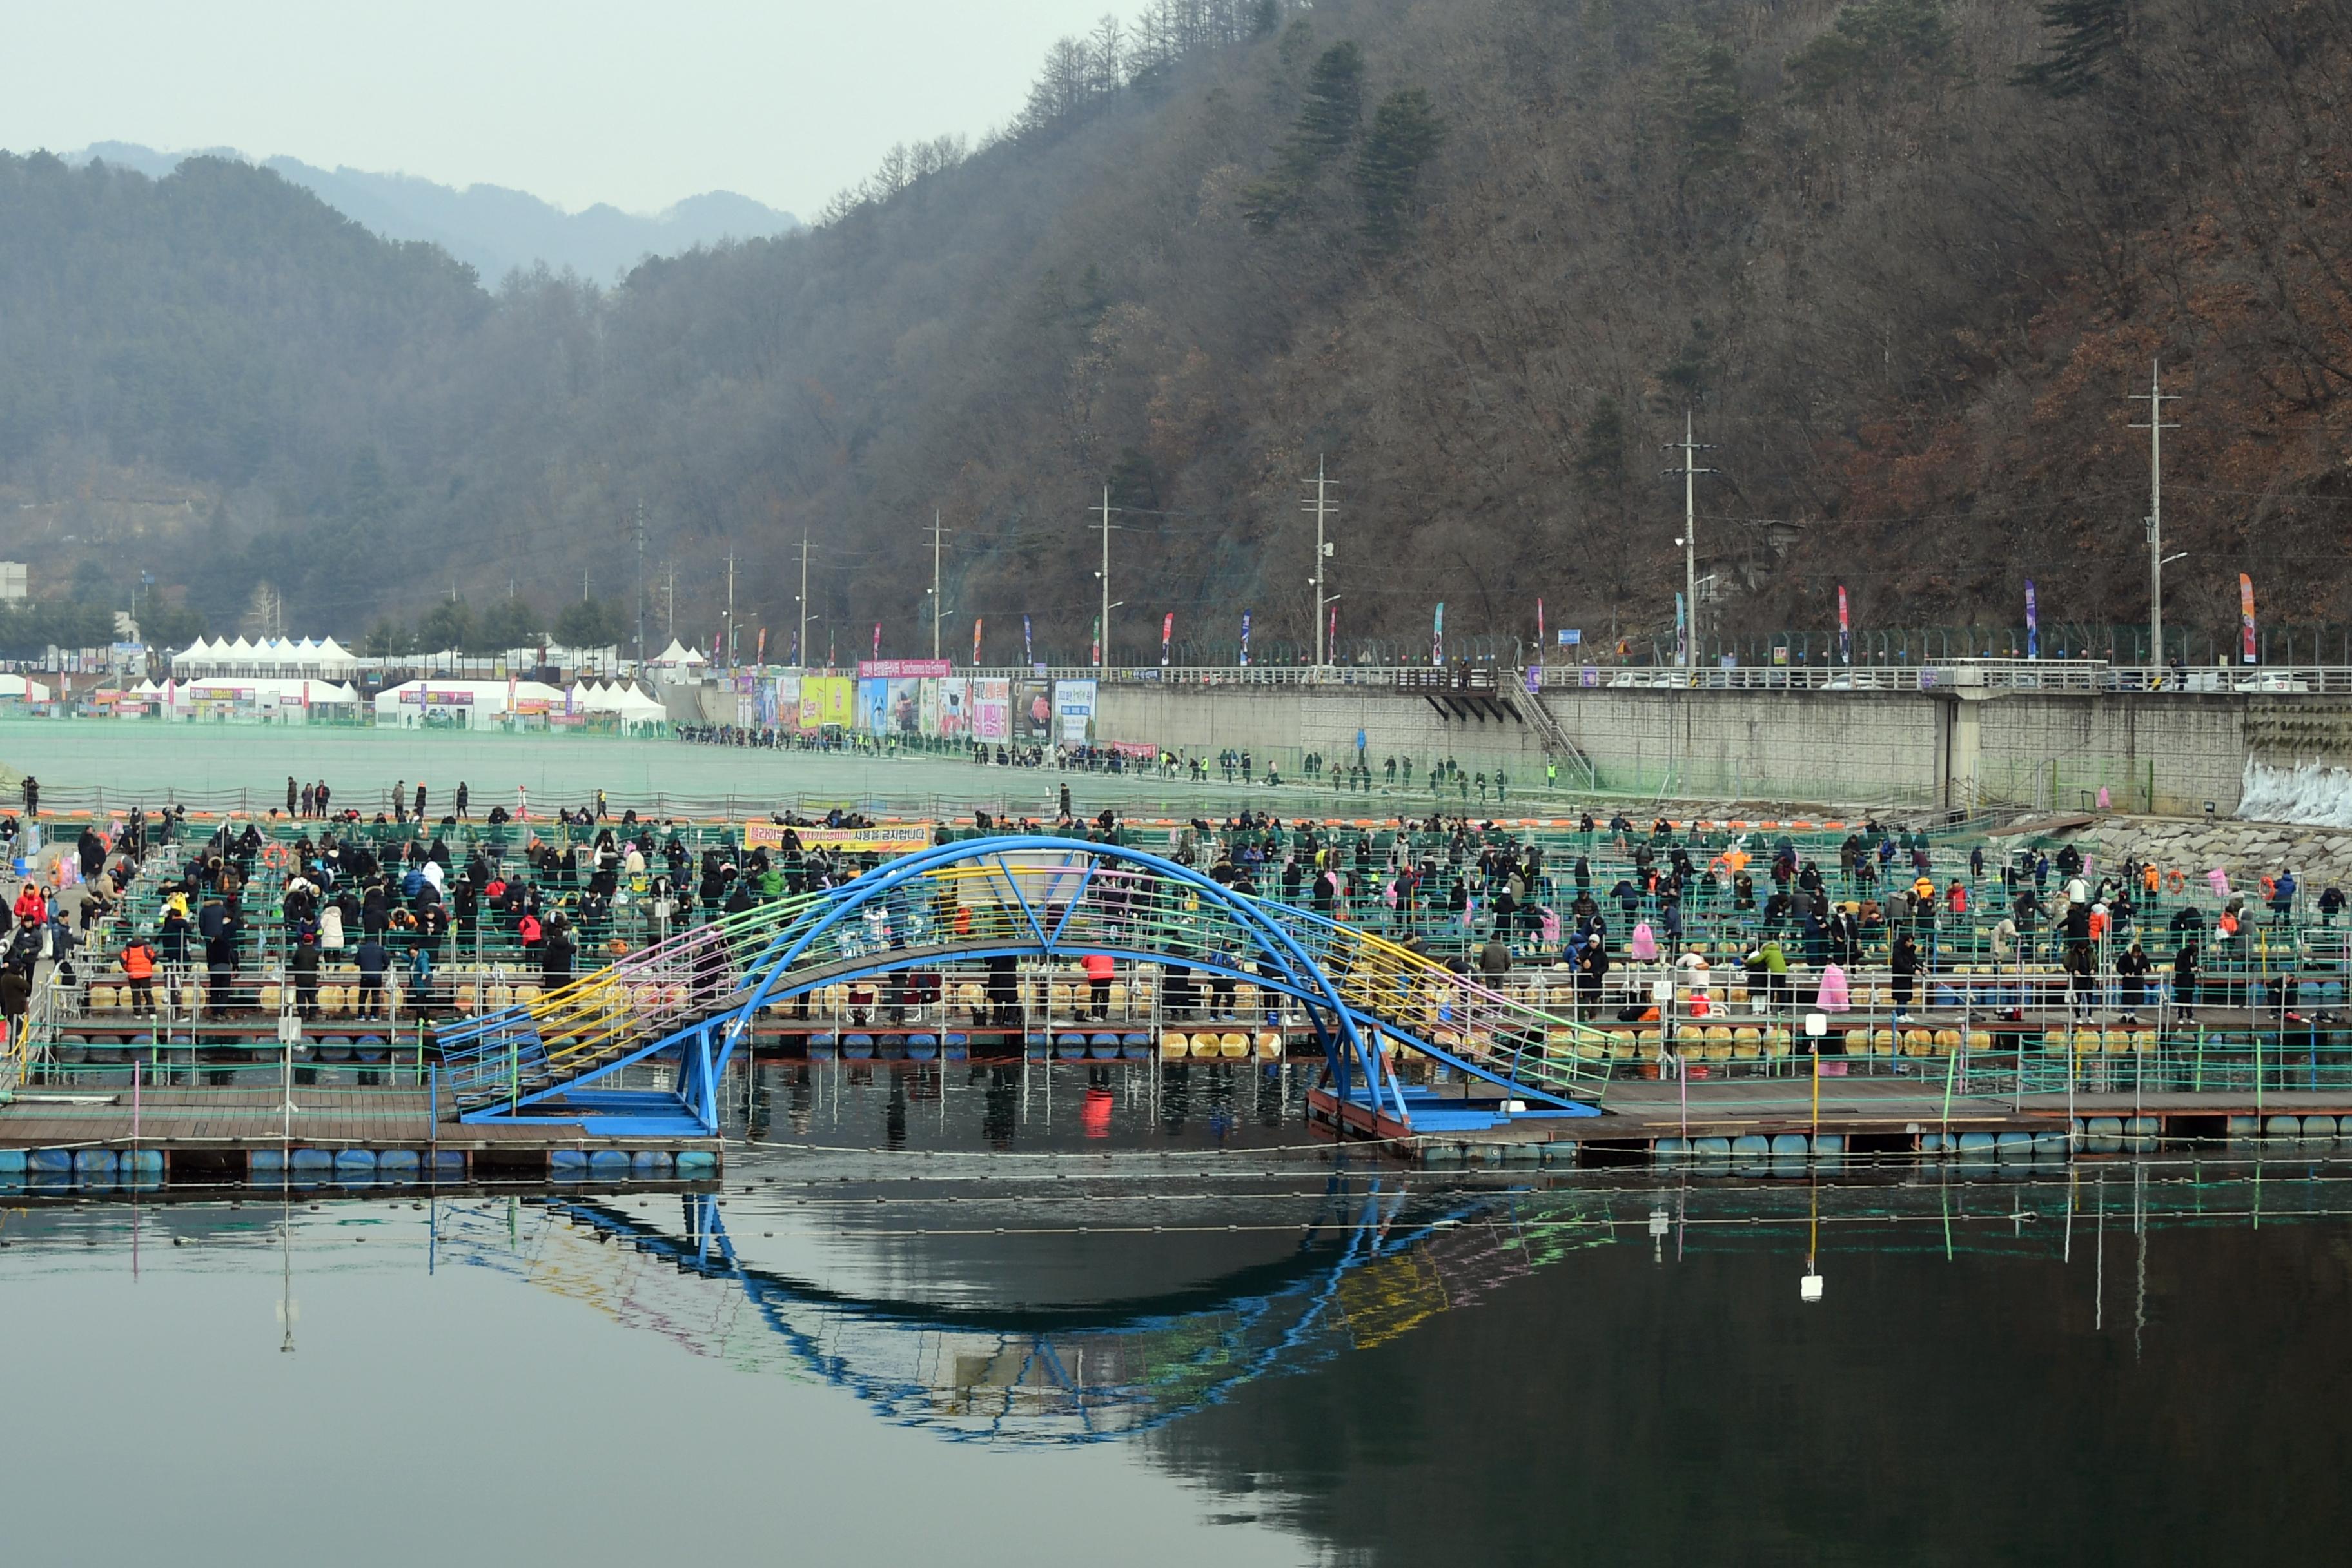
[678,652]
[284,651]
[616,697]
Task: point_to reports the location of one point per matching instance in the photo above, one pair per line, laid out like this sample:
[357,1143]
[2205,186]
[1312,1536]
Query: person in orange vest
[138,967]
[1100,969]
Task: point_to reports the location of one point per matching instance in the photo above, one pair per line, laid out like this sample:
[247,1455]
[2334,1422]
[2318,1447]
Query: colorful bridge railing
[1031,900]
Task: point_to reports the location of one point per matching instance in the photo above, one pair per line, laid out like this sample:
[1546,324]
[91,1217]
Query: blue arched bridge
[990,919]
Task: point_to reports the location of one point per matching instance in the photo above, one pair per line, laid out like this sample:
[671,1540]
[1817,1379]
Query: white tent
[314,660]
[677,656]
[285,698]
[619,699]
[474,704]
[17,688]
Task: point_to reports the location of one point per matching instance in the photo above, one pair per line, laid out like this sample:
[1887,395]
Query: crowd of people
[401,897]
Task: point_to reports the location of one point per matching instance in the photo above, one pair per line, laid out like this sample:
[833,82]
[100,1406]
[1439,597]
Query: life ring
[277,856]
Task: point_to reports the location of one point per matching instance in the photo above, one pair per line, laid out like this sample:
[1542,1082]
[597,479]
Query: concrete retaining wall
[2154,752]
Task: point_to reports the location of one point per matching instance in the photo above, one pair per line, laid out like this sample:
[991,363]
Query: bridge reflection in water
[1294,1278]
[1370,1263]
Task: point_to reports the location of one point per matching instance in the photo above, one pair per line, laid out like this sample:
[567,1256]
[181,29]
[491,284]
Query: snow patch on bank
[2308,792]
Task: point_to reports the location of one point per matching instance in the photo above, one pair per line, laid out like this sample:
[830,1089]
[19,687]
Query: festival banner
[976,623]
[2032,623]
[1032,709]
[947,707]
[877,639]
[991,710]
[1028,650]
[1437,634]
[2246,616]
[1166,635]
[1331,636]
[825,700]
[1846,630]
[1246,621]
[1096,657]
[901,668]
[890,707]
[892,839]
[1074,712]
[1540,620]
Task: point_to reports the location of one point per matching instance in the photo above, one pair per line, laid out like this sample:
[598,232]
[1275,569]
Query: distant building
[15,583]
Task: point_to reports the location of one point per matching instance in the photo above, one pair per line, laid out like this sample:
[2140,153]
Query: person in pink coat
[1834,997]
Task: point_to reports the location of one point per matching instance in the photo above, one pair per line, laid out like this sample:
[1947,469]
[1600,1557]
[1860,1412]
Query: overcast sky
[637,104]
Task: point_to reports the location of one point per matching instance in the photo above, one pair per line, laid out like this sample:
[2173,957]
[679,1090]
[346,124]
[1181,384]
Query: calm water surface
[941,1322]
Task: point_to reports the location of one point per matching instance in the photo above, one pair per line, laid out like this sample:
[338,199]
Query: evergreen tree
[2089,34]
[1404,135]
[1326,124]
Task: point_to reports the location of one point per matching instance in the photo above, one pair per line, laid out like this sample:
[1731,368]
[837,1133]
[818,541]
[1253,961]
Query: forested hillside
[1906,260]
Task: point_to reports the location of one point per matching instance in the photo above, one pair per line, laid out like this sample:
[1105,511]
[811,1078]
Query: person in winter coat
[373,959]
[556,950]
[304,966]
[1834,996]
[2184,980]
[1904,964]
[2131,978]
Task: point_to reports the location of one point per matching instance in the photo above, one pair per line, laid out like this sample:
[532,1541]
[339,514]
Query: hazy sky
[590,100]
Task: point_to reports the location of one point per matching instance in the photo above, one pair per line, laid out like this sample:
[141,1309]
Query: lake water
[1054,1317]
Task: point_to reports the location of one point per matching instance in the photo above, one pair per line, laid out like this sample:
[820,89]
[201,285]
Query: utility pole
[938,604]
[641,581]
[669,604]
[800,643]
[1102,627]
[730,609]
[1321,506]
[2155,397]
[1690,472]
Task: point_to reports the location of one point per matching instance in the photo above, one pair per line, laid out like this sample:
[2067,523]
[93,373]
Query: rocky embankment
[2248,851]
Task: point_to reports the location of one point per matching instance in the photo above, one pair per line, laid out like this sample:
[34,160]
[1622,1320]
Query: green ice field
[112,763]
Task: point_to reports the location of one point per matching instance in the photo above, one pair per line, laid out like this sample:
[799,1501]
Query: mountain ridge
[1480,255]
[495,229]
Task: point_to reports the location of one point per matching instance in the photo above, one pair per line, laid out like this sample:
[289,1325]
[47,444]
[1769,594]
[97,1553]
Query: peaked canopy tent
[620,700]
[284,658]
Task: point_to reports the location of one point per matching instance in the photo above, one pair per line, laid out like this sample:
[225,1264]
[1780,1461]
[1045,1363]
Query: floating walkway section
[99,1138]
